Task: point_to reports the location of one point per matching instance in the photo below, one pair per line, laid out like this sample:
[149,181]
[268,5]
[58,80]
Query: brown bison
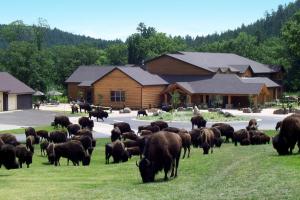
[8,156]
[30,141]
[117,150]
[123,126]
[153,129]
[43,134]
[195,134]
[130,136]
[85,106]
[72,150]
[226,130]
[199,121]
[171,129]
[218,136]
[73,129]
[115,134]
[86,142]
[99,114]
[74,108]
[162,151]
[85,132]
[160,124]
[58,136]
[241,136]
[186,142]
[43,146]
[207,140]
[133,151]
[85,122]
[278,125]
[252,125]
[142,112]
[61,120]
[23,155]
[9,139]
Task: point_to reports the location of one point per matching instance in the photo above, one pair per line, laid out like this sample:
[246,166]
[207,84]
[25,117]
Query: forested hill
[268,26]
[53,37]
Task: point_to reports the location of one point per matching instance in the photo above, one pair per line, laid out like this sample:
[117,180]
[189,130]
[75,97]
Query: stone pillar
[204,98]
[255,100]
[276,94]
[229,99]
[188,99]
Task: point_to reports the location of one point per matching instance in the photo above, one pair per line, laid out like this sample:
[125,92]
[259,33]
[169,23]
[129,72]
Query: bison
[115,134]
[85,122]
[142,112]
[207,140]
[23,155]
[133,151]
[43,134]
[86,142]
[252,125]
[9,139]
[61,120]
[160,124]
[43,146]
[151,128]
[58,136]
[199,121]
[30,141]
[85,106]
[217,136]
[186,142]
[162,151]
[117,150]
[130,136]
[74,108]
[123,126]
[171,129]
[73,129]
[241,136]
[195,134]
[226,130]
[8,156]
[99,114]
[278,125]
[72,150]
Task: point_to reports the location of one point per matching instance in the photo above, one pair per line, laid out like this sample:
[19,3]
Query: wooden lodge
[227,80]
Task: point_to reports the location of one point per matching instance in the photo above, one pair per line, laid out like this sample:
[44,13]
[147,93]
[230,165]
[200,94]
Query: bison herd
[157,145]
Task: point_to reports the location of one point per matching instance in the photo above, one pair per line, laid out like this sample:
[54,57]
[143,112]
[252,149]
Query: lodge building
[227,79]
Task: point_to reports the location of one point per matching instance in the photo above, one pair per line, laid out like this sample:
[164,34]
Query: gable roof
[222,84]
[265,80]
[213,61]
[88,75]
[10,84]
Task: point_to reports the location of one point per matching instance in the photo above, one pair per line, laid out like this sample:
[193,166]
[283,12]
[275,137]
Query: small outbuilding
[14,94]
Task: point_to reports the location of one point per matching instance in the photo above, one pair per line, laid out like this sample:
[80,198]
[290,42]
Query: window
[117,96]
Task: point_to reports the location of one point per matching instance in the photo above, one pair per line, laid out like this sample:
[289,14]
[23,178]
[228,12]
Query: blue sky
[112,19]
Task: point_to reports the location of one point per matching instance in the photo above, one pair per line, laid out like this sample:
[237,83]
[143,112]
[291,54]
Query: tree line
[43,58]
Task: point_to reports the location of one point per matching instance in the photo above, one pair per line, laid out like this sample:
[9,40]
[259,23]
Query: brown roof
[213,61]
[10,84]
[222,84]
[87,75]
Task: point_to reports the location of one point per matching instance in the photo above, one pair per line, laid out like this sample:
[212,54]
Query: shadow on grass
[46,163]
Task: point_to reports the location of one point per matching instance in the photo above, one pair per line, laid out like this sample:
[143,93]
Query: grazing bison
[117,150]
[218,136]
[278,125]
[8,156]
[61,120]
[199,121]
[160,124]
[290,132]
[280,144]
[23,155]
[43,146]
[85,132]
[123,126]
[195,134]
[226,130]
[9,139]
[241,136]
[85,106]
[258,137]
[130,136]
[186,142]
[43,134]
[85,122]
[86,142]
[207,139]
[151,128]
[131,143]
[252,125]
[58,136]
[72,150]
[146,132]
[133,151]
[162,151]
[166,108]
[99,114]
[30,141]
[50,153]
[74,108]
[30,131]
[142,112]
[115,134]
[73,129]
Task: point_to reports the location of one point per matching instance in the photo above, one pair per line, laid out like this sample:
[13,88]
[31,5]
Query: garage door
[12,102]
[24,101]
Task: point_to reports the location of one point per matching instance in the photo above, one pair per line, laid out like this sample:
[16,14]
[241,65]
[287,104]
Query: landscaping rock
[127,110]
[247,110]
[228,114]
[281,111]
[189,109]
[181,109]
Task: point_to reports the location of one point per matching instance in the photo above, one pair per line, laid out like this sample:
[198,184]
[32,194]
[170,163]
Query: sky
[112,19]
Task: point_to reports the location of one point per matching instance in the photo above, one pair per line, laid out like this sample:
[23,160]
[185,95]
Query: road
[18,119]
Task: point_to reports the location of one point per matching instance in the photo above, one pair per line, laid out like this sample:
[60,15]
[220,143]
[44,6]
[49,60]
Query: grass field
[186,116]
[249,172]
[22,130]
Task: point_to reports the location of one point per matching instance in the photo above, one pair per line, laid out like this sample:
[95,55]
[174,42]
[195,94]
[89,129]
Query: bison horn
[137,164]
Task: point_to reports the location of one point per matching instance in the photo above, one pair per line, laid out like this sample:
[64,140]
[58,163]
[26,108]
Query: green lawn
[186,116]
[249,172]
[22,130]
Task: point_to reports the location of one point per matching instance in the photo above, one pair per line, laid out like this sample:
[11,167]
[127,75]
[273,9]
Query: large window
[117,96]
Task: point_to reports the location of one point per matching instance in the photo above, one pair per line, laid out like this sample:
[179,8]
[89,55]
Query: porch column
[165,98]
[276,93]
[204,98]
[255,100]
[229,99]
[188,99]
